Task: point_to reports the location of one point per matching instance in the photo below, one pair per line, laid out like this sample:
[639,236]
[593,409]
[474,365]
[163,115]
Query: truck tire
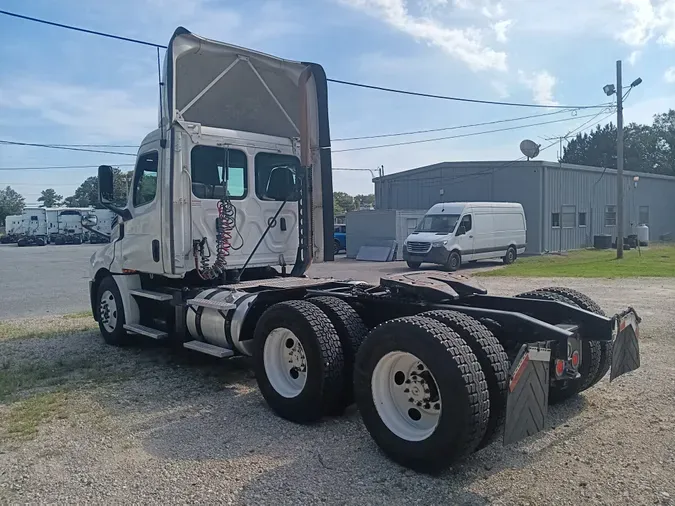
[111,313]
[585,302]
[413,265]
[454,261]
[511,255]
[590,357]
[406,371]
[352,331]
[492,359]
[298,361]
[336,246]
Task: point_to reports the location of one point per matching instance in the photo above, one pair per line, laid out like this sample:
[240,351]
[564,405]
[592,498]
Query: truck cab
[208,186]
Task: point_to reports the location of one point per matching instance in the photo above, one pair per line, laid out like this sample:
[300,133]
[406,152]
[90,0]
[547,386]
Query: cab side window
[145,178]
[466,222]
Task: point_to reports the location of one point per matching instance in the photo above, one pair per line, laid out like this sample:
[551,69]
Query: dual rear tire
[430,388]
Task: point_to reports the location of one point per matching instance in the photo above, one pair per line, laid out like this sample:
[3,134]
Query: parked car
[340,238]
[456,232]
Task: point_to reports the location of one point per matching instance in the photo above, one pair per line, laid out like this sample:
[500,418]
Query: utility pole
[619,161]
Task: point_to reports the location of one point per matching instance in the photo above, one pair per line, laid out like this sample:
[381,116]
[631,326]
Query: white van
[456,232]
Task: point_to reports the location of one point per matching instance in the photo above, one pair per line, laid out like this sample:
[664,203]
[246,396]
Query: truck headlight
[439,244]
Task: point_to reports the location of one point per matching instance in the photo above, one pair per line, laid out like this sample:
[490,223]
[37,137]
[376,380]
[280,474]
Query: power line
[459,136]
[57,167]
[135,146]
[457,127]
[51,146]
[336,81]
[460,99]
[460,178]
[83,30]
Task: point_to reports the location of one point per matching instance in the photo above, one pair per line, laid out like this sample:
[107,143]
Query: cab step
[208,349]
[211,304]
[136,328]
[147,294]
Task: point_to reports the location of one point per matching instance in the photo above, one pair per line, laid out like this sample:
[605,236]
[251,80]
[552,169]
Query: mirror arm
[123,212]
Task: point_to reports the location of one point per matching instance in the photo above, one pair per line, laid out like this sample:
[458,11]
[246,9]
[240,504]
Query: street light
[610,90]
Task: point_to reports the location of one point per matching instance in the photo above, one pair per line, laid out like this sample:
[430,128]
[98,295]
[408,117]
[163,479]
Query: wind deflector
[224,86]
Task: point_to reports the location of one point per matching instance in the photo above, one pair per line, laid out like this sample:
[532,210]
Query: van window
[466,223]
[438,223]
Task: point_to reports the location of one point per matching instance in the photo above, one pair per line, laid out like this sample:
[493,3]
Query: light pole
[609,90]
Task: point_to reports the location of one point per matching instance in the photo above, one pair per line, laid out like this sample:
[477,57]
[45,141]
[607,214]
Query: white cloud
[669,75]
[647,19]
[634,57]
[465,44]
[541,84]
[88,113]
[500,28]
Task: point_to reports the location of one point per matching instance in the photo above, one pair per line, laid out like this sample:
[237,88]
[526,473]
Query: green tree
[647,148]
[364,201]
[87,193]
[50,198]
[342,202]
[11,202]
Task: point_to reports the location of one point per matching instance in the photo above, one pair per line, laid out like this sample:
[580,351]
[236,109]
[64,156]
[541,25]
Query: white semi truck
[13,228]
[230,204]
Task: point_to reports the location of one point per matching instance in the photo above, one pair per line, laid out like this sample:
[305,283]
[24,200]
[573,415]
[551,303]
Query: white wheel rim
[108,311]
[285,362]
[406,396]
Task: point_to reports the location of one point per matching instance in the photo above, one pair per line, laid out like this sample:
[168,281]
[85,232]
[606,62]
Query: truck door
[465,237]
[142,233]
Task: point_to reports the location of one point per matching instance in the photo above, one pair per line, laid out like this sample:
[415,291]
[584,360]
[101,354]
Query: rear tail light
[575,359]
[559,367]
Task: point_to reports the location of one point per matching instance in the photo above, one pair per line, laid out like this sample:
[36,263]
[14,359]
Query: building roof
[516,165]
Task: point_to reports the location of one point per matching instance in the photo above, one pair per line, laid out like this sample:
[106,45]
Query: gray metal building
[565,205]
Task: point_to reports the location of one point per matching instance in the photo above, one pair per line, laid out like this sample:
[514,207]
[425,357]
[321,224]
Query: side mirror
[281,184]
[106,185]
[89,220]
[106,192]
[461,230]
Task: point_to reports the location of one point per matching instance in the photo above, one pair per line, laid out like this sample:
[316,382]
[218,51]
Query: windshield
[438,223]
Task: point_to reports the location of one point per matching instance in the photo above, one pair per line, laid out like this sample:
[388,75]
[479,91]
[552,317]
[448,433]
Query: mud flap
[626,349]
[527,396]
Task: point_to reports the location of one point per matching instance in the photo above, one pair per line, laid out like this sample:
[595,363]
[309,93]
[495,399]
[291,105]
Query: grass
[49,326]
[24,418]
[655,261]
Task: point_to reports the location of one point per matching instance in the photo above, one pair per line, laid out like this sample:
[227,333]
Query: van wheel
[336,247]
[511,255]
[414,265]
[454,261]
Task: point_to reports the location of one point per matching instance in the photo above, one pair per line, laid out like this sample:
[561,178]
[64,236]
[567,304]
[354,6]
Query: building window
[555,219]
[145,185]
[644,215]
[569,216]
[610,216]
[582,219]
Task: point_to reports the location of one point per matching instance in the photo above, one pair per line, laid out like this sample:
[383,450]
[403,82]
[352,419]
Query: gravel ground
[152,425]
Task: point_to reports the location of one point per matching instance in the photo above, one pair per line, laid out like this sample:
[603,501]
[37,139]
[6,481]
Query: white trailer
[13,228]
[33,227]
[231,201]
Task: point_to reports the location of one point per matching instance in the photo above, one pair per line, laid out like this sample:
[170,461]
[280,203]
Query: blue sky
[58,86]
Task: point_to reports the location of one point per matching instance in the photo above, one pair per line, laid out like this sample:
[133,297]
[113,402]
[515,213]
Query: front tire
[298,361]
[454,261]
[413,265]
[336,247]
[421,393]
[111,313]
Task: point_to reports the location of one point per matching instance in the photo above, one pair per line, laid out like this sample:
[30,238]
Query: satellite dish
[529,148]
